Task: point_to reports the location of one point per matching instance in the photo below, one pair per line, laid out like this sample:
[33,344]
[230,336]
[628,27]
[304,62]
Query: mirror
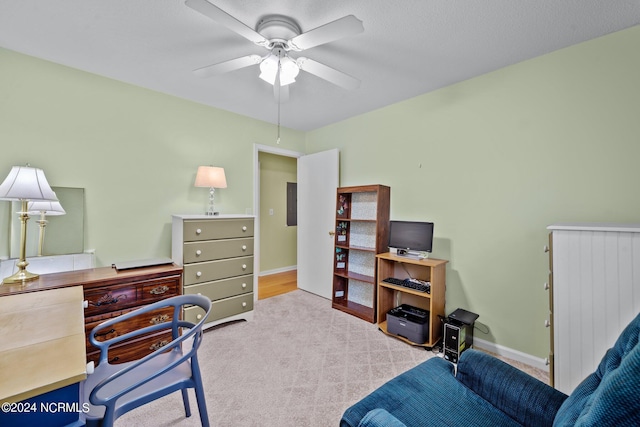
[63,234]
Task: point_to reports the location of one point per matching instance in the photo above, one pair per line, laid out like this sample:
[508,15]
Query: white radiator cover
[596,293]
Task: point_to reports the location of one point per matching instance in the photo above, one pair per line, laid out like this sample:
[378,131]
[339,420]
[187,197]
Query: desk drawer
[217,249]
[216,270]
[134,350]
[111,298]
[156,290]
[195,230]
[221,289]
[222,308]
[147,319]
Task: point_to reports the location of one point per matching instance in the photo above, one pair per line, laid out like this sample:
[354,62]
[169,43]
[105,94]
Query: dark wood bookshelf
[362,232]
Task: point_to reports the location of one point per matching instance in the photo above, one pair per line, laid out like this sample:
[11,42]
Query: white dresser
[216,253]
[594,293]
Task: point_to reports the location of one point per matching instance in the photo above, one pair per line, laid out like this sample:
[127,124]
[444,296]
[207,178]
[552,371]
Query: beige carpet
[298,363]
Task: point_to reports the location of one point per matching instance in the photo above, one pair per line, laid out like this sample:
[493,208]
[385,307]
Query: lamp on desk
[44,209]
[25,184]
[212,177]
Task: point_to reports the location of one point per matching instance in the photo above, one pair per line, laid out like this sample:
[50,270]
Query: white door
[317,183]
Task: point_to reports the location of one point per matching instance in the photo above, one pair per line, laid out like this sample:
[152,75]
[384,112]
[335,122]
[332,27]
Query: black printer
[409,322]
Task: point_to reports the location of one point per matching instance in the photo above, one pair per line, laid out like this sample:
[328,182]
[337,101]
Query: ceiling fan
[281,35]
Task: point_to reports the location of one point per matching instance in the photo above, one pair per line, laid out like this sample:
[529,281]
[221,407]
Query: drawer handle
[244,247]
[159,319]
[546,286]
[159,290]
[108,299]
[547,323]
[199,316]
[244,304]
[244,285]
[244,266]
[103,334]
[198,252]
[244,228]
[158,345]
[199,273]
[198,231]
[115,359]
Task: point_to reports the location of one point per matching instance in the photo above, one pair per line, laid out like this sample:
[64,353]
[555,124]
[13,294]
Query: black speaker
[458,334]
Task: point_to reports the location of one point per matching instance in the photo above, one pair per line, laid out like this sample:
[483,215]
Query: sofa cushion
[611,395]
[428,395]
[524,398]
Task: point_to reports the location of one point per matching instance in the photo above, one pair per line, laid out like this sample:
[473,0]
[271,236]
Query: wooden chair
[114,389]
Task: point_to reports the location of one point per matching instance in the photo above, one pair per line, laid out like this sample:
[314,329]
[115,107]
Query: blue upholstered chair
[488,392]
[112,390]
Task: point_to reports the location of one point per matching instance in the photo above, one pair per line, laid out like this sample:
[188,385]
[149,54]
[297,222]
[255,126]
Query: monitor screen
[411,235]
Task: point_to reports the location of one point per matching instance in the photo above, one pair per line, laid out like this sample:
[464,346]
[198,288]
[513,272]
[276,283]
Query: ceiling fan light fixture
[288,71]
[269,69]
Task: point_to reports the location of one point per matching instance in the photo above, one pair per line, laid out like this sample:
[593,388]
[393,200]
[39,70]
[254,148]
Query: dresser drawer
[147,319]
[134,350]
[159,289]
[110,298]
[219,229]
[222,288]
[217,249]
[216,270]
[222,308]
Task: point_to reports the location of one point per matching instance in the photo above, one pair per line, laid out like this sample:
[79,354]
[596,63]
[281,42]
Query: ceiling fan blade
[343,27]
[226,66]
[223,18]
[281,93]
[327,73]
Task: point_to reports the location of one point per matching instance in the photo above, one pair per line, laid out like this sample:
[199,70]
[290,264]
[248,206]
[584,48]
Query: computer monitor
[411,238]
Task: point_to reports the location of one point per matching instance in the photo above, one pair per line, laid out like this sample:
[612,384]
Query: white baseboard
[278,270]
[516,355]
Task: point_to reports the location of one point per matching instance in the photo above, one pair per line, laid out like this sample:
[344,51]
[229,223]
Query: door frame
[257,149]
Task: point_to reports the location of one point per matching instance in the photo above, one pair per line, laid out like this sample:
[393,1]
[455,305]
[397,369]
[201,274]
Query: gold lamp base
[22,274]
[20,277]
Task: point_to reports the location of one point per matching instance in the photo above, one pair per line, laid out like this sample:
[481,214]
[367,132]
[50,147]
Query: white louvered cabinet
[594,286]
[216,253]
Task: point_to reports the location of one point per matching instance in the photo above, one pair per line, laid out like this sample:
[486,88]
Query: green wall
[134,151]
[278,242]
[494,160]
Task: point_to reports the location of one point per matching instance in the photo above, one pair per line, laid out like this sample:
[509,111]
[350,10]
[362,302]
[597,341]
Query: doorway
[276,237]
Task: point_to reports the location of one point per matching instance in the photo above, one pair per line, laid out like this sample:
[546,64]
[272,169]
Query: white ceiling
[408,47]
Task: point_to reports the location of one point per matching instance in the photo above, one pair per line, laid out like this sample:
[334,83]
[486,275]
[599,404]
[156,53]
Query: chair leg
[199,389]
[109,417]
[185,400]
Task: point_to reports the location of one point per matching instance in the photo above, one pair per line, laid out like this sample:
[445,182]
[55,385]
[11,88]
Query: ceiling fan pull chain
[278,139]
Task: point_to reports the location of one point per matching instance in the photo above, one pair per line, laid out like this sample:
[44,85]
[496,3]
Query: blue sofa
[488,392]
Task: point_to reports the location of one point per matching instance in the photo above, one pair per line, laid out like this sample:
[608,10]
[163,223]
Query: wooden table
[43,342]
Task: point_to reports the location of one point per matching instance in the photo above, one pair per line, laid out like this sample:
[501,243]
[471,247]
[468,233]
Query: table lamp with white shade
[212,177]
[25,184]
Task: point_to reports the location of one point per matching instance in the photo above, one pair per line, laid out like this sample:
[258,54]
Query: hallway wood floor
[277,284]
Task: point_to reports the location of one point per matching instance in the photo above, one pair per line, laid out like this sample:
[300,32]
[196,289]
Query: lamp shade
[26,183]
[288,71]
[269,69]
[210,176]
[48,208]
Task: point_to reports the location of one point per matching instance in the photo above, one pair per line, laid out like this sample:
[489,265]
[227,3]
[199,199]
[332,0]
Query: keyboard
[410,284]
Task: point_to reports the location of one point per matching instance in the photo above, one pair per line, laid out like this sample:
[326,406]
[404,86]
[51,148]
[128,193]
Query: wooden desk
[43,342]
